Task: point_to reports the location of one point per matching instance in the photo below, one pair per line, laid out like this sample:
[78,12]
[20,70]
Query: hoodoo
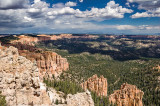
[95,84]
[128,95]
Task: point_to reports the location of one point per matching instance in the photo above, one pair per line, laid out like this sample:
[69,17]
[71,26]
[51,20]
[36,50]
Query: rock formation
[19,79]
[21,85]
[49,63]
[128,95]
[95,84]
[80,99]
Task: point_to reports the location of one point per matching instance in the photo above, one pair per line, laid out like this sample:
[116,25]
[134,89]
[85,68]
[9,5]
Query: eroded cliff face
[19,79]
[21,85]
[128,95]
[49,63]
[95,84]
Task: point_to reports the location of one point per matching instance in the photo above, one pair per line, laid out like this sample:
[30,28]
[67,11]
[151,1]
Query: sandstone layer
[128,95]
[95,84]
[49,63]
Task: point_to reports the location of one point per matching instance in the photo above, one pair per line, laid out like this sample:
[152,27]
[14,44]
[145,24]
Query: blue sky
[80,16]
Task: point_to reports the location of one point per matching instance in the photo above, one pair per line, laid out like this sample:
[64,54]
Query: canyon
[23,69]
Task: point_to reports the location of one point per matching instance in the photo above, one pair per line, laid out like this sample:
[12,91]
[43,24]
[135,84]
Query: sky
[80,16]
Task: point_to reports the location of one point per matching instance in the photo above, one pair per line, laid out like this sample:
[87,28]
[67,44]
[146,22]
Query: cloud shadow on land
[125,53]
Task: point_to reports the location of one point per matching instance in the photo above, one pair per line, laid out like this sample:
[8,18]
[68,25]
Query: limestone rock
[95,84]
[128,95]
[80,99]
[56,96]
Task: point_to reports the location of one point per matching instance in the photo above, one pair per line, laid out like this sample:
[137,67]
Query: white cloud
[70,4]
[81,1]
[27,19]
[63,17]
[148,13]
[152,8]
[36,1]
[141,27]
[111,10]
[148,27]
[139,15]
[125,27]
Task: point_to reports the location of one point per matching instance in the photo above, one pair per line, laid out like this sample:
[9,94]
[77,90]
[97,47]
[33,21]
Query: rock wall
[128,95]
[19,79]
[95,84]
[49,63]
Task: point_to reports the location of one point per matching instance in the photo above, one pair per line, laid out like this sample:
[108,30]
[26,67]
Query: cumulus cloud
[148,13]
[13,4]
[14,19]
[146,4]
[152,8]
[112,10]
[39,15]
[70,4]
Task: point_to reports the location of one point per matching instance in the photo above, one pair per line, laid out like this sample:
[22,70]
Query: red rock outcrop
[95,84]
[49,63]
[128,95]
